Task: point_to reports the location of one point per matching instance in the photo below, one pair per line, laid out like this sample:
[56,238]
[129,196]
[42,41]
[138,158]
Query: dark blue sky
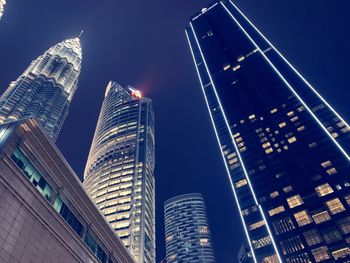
[142,43]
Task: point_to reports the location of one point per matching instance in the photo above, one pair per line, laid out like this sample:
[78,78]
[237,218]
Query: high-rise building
[46,88]
[2,7]
[187,234]
[286,150]
[45,213]
[119,174]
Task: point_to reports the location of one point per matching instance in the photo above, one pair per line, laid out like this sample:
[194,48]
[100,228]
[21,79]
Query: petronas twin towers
[119,172]
[46,88]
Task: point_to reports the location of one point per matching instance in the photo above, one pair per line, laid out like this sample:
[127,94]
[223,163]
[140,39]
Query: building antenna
[81,33]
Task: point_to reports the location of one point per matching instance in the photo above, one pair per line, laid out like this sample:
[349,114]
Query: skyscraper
[286,150]
[119,171]
[46,88]
[2,7]
[187,235]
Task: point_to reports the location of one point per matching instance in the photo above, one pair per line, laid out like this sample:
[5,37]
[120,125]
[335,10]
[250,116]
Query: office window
[321,217]
[313,237]
[294,201]
[302,218]
[331,171]
[324,189]
[241,183]
[335,206]
[283,225]
[261,242]
[276,210]
[257,225]
[347,199]
[68,216]
[331,235]
[274,194]
[95,248]
[33,175]
[341,253]
[321,253]
[344,225]
[291,245]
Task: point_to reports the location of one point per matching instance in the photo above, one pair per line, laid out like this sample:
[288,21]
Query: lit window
[287,189]
[251,117]
[321,253]
[241,183]
[292,139]
[335,206]
[341,253]
[331,171]
[326,164]
[274,194]
[301,128]
[324,189]
[290,114]
[273,111]
[226,66]
[236,67]
[261,242]
[282,124]
[203,229]
[268,150]
[335,135]
[294,201]
[302,218]
[276,210]
[294,119]
[265,145]
[347,199]
[321,217]
[240,58]
[204,242]
[257,225]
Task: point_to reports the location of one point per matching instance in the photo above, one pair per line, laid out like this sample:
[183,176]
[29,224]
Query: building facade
[187,234]
[46,88]
[119,174]
[45,213]
[286,150]
[244,254]
[2,7]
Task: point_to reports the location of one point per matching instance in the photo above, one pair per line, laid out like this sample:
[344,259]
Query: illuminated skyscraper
[2,7]
[286,150]
[119,171]
[46,88]
[187,235]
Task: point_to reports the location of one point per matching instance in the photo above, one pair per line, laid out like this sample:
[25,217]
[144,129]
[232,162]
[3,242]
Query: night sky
[142,43]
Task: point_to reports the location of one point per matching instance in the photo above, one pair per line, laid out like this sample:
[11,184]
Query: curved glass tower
[286,150]
[187,235]
[119,171]
[46,88]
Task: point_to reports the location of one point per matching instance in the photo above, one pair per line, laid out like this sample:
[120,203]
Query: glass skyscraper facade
[119,174]
[46,88]
[286,150]
[187,234]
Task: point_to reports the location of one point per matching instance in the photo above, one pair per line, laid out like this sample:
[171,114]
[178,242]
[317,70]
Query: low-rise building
[45,214]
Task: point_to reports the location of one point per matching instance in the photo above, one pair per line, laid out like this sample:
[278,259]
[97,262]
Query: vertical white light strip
[234,143]
[290,65]
[222,154]
[289,86]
